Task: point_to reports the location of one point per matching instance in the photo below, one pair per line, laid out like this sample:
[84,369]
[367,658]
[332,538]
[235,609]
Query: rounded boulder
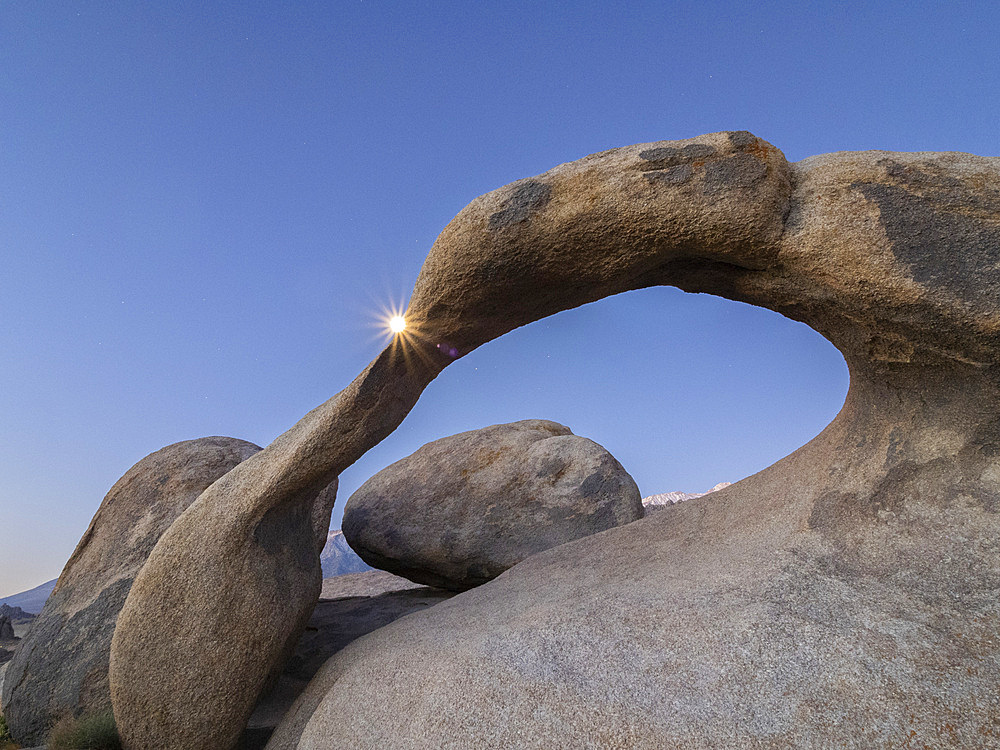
[61,666]
[462,510]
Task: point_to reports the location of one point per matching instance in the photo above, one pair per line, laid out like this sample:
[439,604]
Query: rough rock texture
[351,605]
[15,614]
[234,626]
[337,557]
[4,663]
[62,664]
[368,583]
[462,510]
[844,597]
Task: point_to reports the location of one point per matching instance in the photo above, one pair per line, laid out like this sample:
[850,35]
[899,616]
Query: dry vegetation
[97,732]
[6,743]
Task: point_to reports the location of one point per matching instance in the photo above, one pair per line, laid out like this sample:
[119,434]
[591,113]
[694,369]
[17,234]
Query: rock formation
[62,664]
[8,645]
[462,510]
[366,584]
[846,596]
[261,578]
[15,614]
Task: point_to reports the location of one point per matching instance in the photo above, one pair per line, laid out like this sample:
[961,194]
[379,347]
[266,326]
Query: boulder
[61,666]
[845,596]
[6,628]
[462,510]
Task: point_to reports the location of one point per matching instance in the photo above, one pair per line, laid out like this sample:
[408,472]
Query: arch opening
[686,390]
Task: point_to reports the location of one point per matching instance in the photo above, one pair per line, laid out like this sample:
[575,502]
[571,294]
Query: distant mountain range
[654,502]
[338,558]
[33,600]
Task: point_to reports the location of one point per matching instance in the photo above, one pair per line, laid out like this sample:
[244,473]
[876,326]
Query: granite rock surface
[845,596]
[236,626]
[351,605]
[62,664]
[463,509]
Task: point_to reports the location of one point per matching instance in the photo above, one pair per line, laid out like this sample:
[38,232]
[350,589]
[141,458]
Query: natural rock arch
[868,549]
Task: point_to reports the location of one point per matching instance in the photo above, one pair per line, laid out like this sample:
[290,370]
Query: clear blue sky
[204,205]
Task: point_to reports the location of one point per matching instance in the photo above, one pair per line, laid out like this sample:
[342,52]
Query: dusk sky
[204,208]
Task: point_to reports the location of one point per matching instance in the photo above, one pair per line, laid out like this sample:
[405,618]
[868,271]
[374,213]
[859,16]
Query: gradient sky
[204,206]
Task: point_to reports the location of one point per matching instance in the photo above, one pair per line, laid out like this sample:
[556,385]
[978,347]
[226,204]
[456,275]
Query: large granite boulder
[462,510]
[61,667]
[846,596]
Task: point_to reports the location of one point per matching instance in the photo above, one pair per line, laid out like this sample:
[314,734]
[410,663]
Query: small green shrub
[96,732]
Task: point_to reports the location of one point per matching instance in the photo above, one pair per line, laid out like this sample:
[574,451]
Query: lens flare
[397,324]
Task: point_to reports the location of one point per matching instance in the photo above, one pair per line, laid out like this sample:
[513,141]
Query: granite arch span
[845,594]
